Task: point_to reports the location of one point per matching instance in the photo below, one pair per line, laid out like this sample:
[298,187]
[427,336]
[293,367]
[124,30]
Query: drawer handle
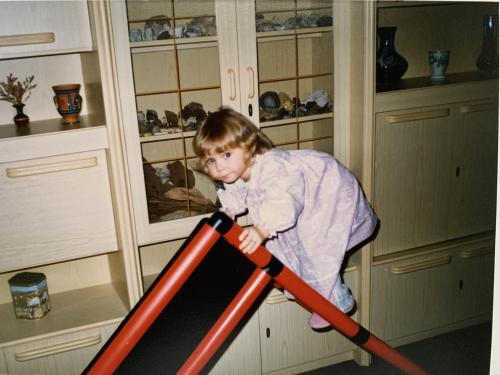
[32,170]
[251,82]
[472,253]
[394,119]
[22,39]
[57,348]
[438,261]
[468,108]
[277,298]
[232,84]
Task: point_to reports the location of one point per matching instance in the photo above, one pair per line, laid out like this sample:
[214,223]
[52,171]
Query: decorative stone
[269,100]
[135,35]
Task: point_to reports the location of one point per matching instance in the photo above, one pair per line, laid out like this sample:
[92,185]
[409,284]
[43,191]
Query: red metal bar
[226,323]
[320,305]
[155,301]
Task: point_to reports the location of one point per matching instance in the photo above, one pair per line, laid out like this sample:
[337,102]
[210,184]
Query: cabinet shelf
[305,33]
[425,82]
[68,310]
[404,3]
[293,120]
[175,41]
[51,137]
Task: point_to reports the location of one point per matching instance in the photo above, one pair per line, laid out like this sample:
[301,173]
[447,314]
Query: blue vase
[391,66]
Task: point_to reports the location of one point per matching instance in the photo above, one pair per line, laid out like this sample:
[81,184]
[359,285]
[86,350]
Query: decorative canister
[29,295]
[68,102]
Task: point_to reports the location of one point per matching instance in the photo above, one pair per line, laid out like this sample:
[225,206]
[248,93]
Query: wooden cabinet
[435,165]
[433,290]
[62,207]
[212,54]
[44,190]
[475,152]
[432,165]
[289,344]
[64,354]
[33,28]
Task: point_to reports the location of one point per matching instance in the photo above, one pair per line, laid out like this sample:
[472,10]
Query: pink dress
[313,207]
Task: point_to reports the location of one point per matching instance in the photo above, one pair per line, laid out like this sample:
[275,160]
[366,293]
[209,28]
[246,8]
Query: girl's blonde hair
[226,129]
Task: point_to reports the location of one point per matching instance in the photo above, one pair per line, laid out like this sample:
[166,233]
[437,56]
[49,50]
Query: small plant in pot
[13,91]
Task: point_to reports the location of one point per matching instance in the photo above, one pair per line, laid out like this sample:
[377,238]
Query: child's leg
[342,299]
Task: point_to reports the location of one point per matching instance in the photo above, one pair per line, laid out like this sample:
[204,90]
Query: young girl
[307,207]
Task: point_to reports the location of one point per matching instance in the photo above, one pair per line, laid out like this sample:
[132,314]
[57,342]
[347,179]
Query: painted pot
[68,102]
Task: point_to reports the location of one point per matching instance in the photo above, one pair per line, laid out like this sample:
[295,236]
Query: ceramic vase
[20,119]
[438,62]
[68,102]
[487,61]
[391,66]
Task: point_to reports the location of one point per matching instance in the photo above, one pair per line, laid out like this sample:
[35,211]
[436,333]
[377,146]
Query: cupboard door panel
[412,296]
[474,282]
[30,28]
[243,356]
[474,189]
[64,354]
[286,338]
[55,209]
[413,170]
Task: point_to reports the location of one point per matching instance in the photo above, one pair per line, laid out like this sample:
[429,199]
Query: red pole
[320,305]
[226,323]
[155,301]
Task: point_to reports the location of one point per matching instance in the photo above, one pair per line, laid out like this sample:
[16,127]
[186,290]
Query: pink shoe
[317,322]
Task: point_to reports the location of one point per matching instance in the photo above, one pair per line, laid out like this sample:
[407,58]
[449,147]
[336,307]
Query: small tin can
[29,295]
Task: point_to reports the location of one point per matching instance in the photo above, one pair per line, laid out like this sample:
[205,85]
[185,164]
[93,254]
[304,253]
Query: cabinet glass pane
[175,62]
[295,67]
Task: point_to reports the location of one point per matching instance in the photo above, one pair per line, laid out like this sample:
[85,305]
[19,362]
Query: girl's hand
[228,212]
[251,238]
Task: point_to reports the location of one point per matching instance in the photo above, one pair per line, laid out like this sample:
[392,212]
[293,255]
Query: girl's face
[230,165]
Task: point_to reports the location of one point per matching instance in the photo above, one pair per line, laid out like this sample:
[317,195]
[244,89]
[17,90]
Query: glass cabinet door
[176,77]
[178,60]
[295,72]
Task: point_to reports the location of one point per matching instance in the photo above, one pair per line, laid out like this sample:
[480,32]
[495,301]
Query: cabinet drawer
[29,28]
[55,209]
[64,354]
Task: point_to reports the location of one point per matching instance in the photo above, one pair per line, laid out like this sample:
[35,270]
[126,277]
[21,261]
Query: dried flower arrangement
[13,90]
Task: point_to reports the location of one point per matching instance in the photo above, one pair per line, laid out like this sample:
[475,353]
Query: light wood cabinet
[34,28]
[64,354]
[289,344]
[62,206]
[434,168]
[433,290]
[44,190]
[238,52]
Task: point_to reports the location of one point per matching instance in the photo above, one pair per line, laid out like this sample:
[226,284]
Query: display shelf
[50,137]
[163,137]
[174,41]
[404,3]
[294,120]
[425,82]
[305,32]
[68,310]
[50,126]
